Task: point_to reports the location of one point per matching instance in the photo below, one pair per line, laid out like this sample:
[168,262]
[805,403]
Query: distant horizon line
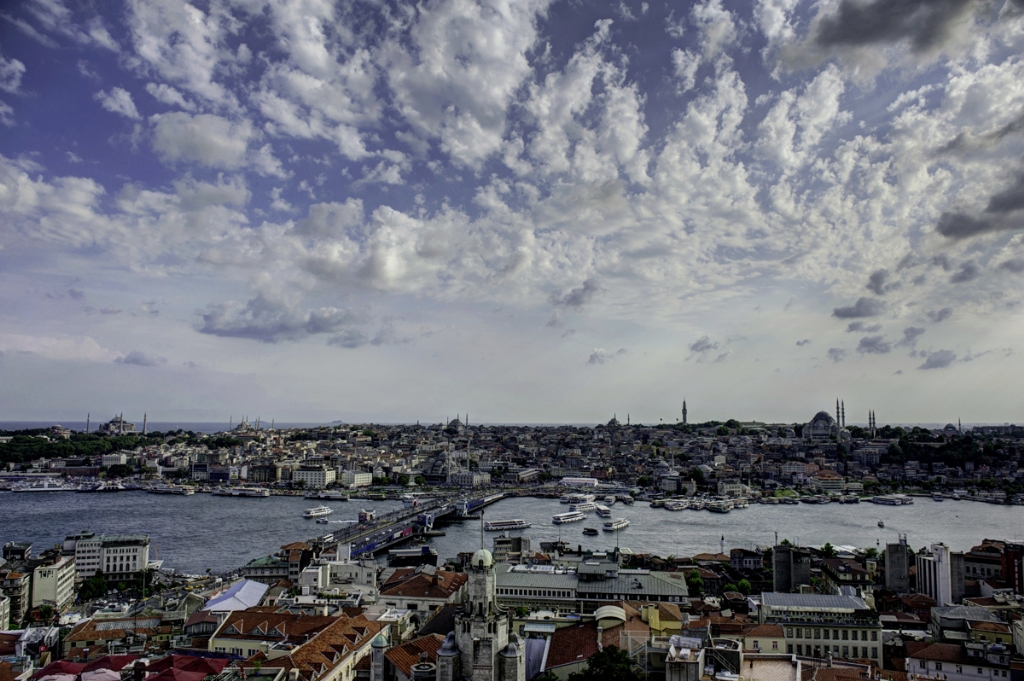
[221,426]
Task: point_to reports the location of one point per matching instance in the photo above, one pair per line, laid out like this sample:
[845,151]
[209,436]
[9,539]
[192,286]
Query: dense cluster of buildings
[775,614]
[820,456]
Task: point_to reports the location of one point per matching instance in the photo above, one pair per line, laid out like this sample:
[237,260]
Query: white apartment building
[940,574]
[356,478]
[5,613]
[53,583]
[120,557]
[315,477]
[114,459]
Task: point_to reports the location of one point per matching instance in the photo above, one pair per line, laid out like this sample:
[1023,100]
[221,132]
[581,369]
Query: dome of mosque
[483,558]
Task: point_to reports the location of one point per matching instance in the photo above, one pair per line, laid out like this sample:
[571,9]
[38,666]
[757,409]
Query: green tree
[743,586]
[697,475]
[610,664]
[420,480]
[403,480]
[730,587]
[643,481]
[695,583]
[828,551]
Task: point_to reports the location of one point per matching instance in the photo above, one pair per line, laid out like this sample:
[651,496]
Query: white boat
[697,505]
[564,499]
[44,485]
[617,524]
[676,505]
[317,512]
[180,490]
[720,505]
[502,525]
[610,499]
[937,496]
[742,502]
[603,511]
[581,498]
[326,495]
[242,492]
[570,517]
[585,507]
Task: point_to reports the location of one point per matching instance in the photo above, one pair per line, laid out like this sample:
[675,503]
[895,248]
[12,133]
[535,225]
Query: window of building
[789,632]
[874,635]
[817,633]
[799,649]
[846,635]
[799,632]
[846,651]
[938,666]
[826,634]
[775,645]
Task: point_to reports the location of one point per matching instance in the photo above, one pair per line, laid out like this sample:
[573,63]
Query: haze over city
[537,212]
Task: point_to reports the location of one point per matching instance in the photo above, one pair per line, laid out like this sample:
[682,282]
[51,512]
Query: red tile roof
[442,584]
[408,654]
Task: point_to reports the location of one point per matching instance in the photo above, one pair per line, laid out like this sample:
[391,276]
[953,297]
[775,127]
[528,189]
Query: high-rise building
[792,568]
[897,566]
[940,574]
[1013,567]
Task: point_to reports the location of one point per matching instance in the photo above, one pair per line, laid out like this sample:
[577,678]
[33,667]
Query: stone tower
[377,650]
[481,633]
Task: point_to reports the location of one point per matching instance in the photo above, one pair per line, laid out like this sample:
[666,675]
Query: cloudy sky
[531,211]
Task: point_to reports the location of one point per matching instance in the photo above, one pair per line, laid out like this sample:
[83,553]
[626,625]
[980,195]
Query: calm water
[194,533]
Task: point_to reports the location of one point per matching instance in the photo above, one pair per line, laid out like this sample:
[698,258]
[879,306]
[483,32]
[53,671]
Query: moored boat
[570,517]
[617,524]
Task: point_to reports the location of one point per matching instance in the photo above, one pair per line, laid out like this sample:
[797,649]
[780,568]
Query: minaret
[684,412]
[844,413]
[88,419]
[144,415]
[721,545]
[121,424]
[838,422]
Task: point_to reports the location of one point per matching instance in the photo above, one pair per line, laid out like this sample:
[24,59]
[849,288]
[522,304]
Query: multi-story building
[314,477]
[121,558]
[956,662]
[817,625]
[15,586]
[471,479]
[353,479]
[792,568]
[843,572]
[5,613]
[114,459]
[53,582]
[897,568]
[940,574]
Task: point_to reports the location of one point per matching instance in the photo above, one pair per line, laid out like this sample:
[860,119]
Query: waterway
[193,534]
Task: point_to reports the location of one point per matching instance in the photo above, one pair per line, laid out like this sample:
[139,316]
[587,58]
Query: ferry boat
[242,492]
[590,531]
[617,524]
[676,505]
[570,517]
[44,485]
[180,490]
[626,499]
[585,507]
[720,505]
[850,499]
[892,500]
[326,495]
[581,498]
[697,505]
[610,499]
[564,499]
[603,510]
[502,525]
[320,510]
[937,496]
[367,516]
[102,486]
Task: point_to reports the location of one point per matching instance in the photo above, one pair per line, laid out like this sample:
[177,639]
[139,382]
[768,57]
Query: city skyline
[541,210]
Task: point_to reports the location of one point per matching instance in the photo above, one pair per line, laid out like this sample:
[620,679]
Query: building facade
[53,583]
[940,574]
[121,558]
[820,626]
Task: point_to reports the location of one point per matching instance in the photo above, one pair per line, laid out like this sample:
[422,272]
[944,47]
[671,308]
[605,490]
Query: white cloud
[118,101]
[166,94]
[80,348]
[11,71]
[464,61]
[206,139]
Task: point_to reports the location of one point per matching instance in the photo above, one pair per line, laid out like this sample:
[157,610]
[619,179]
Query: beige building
[53,583]
[5,613]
